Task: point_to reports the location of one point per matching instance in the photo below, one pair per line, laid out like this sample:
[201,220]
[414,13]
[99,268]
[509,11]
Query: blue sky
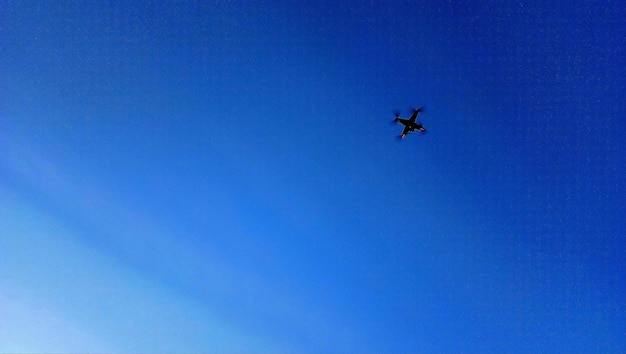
[223,176]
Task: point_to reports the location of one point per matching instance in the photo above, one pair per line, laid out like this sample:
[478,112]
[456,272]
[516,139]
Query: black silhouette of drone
[410,125]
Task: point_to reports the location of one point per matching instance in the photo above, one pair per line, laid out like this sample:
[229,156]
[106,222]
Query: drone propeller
[396,116]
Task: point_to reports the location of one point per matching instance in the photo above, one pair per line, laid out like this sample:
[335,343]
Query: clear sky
[196,176]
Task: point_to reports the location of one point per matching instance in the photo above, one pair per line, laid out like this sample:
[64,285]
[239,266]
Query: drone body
[410,125]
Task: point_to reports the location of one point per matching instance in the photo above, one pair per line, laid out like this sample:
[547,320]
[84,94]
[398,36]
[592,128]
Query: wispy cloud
[124,278]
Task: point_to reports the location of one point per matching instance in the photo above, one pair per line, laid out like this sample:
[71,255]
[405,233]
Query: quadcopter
[410,125]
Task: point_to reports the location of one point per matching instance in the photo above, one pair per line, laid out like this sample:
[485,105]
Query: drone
[410,125]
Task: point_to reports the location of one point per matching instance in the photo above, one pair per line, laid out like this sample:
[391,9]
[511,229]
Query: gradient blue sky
[195,176]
